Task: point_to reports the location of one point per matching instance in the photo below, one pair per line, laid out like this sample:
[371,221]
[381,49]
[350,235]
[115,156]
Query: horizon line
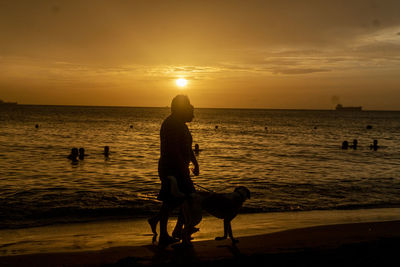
[245,108]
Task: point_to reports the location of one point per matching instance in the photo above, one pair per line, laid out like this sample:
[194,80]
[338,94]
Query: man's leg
[165,239]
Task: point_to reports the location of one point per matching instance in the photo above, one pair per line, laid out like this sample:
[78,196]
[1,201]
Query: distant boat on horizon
[340,107]
[8,103]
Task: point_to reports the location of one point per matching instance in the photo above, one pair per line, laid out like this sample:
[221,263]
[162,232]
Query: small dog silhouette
[226,206]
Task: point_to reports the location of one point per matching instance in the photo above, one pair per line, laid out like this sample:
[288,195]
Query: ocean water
[294,164]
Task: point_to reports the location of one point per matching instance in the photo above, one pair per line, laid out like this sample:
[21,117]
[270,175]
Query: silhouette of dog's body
[226,206]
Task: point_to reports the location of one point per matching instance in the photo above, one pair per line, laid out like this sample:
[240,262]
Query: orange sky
[254,54]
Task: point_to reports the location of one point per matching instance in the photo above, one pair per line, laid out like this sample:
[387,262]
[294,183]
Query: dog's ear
[243,189]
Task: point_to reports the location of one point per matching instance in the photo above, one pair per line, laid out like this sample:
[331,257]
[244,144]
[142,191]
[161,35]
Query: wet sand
[356,244]
[99,235]
[271,237]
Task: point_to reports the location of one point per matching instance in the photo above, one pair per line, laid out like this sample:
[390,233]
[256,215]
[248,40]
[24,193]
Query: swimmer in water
[355,142]
[374,146]
[196,149]
[74,154]
[106,151]
[82,153]
[345,145]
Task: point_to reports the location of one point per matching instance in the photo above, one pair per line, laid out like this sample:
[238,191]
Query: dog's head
[243,191]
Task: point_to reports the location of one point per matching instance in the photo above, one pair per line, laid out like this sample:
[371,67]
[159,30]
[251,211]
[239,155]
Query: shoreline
[367,243]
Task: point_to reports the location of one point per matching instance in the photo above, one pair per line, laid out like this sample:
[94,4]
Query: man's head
[181,107]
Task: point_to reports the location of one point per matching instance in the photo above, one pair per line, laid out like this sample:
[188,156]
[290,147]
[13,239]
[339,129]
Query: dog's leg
[230,234]
[187,235]
[226,224]
[153,225]
[177,232]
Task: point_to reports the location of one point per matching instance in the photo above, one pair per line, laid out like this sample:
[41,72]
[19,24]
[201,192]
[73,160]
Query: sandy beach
[371,242]
[358,244]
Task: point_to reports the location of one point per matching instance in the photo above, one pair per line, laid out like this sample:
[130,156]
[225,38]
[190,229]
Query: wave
[13,218]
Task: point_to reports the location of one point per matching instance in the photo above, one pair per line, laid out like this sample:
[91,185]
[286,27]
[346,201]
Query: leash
[212,191]
[209,190]
[202,187]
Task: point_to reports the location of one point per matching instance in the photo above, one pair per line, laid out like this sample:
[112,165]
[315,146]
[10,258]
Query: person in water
[106,151]
[355,143]
[374,146]
[176,154]
[345,145]
[74,154]
[82,153]
[196,149]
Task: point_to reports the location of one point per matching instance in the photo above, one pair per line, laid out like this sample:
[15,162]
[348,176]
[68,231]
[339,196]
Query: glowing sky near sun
[181,82]
[256,54]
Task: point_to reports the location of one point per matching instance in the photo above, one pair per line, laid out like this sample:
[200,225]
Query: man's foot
[153,224]
[164,242]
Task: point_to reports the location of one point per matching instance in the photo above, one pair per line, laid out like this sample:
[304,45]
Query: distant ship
[341,108]
[2,103]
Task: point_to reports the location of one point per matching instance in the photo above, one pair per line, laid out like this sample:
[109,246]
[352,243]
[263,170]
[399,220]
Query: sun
[181,82]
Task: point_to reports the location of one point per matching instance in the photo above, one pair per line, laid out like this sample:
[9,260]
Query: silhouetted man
[176,154]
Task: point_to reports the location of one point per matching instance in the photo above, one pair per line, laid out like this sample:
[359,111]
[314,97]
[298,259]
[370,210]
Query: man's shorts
[165,194]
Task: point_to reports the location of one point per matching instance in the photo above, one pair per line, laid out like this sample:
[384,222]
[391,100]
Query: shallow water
[296,164]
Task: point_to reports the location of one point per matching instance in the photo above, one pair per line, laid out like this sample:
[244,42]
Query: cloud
[294,71]
[188,32]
